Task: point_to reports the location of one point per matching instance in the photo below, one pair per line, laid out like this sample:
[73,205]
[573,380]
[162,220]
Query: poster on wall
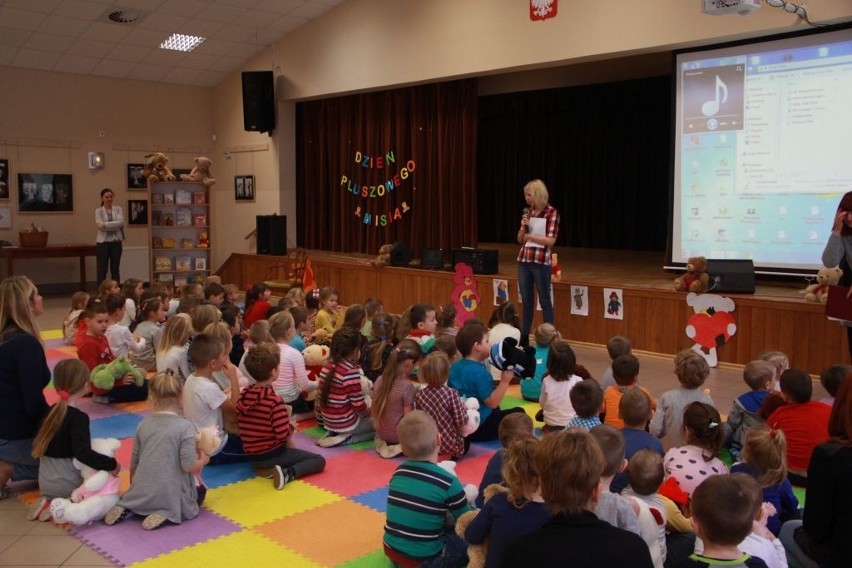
[46,193]
[4,179]
[501,291]
[579,300]
[613,303]
[135,179]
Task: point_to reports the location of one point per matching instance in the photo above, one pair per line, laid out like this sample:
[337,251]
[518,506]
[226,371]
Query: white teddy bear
[470,490]
[471,405]
[98,493]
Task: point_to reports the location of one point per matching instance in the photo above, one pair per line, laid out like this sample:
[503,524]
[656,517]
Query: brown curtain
[430,127]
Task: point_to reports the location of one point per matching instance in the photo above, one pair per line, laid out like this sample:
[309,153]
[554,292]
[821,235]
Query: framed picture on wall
[135,179]
[244,188]
[137,211]
[4,179]
[45,193]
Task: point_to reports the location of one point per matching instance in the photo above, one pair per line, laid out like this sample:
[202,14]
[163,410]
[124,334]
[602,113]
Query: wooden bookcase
[180,232]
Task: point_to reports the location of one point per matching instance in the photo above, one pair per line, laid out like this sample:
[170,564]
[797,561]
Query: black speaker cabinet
[400,255]
[272,234]
[483,261]
[258,101]
[736,276]
[432,258]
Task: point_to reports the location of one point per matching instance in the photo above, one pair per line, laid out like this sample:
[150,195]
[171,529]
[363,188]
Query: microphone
[526,215]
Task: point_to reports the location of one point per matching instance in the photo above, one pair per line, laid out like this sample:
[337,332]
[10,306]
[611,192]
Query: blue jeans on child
[19,454]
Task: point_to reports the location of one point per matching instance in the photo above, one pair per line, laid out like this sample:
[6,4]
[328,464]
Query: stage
[655,316]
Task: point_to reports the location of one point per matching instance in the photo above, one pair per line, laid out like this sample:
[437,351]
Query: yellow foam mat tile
[360,532]
[238,549]
[50,334]
[254,501]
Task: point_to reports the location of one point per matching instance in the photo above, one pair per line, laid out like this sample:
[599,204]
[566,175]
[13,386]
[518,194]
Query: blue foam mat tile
[120,426]
[220,475]
[376,499]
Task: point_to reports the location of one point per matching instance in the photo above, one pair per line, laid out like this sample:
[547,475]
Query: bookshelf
[180,232]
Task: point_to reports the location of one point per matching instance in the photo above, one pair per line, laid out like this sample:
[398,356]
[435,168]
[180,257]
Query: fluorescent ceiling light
[180,42]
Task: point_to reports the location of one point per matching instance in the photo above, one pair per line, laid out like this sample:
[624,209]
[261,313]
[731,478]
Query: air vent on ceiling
[124,16]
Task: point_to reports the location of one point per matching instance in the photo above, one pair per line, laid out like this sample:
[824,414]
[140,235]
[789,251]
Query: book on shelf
[183,263]
[199,198]
[200,263]
[201,219]
[169,243]
[199,278]
[187,243]
[156,218]
[156,242]
[180,280]
[183,197]
[156,199]
[168,199]
[166,277]
[168,220]
[183,217]
[162,263]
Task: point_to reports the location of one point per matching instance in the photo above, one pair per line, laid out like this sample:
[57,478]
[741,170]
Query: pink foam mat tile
[309,444]
[470,470]
[96,410]
[354,473]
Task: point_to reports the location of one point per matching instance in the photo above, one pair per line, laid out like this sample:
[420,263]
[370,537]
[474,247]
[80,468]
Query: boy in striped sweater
[265,426]
[419,497]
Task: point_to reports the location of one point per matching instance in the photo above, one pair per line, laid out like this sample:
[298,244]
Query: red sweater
[257,312]
[805,426]
[263,419]
[94,351]
[345,399]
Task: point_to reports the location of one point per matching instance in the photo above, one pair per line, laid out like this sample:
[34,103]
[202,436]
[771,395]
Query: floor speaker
[736,276]
[258,101]
[272,234]
[432,258]
[400,255]
[483,261]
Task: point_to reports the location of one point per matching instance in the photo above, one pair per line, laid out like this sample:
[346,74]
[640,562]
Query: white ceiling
[76,36]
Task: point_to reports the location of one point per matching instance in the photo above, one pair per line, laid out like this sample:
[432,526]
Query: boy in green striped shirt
[420,496]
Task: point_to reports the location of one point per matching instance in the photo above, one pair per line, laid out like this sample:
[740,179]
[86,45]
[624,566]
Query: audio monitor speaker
[483,261]
[400,255]
[735,276]
[432,258]
[272,234]
[258,101]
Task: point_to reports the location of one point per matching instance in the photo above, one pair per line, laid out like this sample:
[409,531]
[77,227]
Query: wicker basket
[33,238]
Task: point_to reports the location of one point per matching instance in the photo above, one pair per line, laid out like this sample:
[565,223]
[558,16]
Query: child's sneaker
[40,511]
[281,477]
[100,399]
[116,515]
[331,440]
[153,521]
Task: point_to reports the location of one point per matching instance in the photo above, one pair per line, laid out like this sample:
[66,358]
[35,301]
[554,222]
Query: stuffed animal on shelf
[819,292]
[98,493]
[157,168]
[507,355]
[201,172]
[555,269]
[696,278]
[471,406]
[476,553]
[105,374]
[203,240]
[384,255]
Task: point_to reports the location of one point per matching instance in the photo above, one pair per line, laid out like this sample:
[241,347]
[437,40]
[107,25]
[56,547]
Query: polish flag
[543,9]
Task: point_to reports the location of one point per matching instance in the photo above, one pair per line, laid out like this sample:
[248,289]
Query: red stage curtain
[432,125]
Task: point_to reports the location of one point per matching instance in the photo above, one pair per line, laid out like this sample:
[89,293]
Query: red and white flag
[543,9]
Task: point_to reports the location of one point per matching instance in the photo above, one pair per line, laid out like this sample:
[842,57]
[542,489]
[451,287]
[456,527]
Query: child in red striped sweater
[265,426]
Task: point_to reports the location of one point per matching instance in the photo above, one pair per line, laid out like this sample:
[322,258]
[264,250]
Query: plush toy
[471,405]
[157,168]
[203,240]
[367,390]
[207,441]
[98,493]
[507,355]
[470,490]
[476,553]
[555,269]
[105,374]
[315,356]
[201,172]
[696,278]
[819,292]
[384,255]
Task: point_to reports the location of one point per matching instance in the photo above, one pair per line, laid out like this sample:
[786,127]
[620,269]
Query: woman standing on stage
[109,219]
[838,249]
[537,235]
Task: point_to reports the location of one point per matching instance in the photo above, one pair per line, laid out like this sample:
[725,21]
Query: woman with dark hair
[838,249]
[822,537]
[109,219]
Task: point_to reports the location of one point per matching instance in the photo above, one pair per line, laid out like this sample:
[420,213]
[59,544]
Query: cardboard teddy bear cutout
[98,493]
[712,324]
[465,295]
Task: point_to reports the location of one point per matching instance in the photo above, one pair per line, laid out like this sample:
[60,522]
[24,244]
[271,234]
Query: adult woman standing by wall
[109,219]
[838,249]
[537,233]
[23,376]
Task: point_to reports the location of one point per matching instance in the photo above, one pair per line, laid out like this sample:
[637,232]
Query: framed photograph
[4,179]
[244,188]
[46,193]
[5,217]
[200,263]
[137,211]
[135,179]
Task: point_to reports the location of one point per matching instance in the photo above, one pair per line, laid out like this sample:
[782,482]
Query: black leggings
[487,430]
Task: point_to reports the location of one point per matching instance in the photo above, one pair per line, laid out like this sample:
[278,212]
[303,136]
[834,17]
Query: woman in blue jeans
[536,235]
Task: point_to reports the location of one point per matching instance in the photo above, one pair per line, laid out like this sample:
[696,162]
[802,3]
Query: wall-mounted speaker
[400,255]
[736,276]
[258,101]
[271,234]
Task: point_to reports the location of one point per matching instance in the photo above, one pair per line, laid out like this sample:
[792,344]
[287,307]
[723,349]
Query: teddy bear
[825,277]
[367,390]
[696,278]
[201,172]
[207,441]
[471,406]
[476,553]
[384,255]
[105,374]
[157,168]
[555,269]
[315,356]
[507,355]
[98,493]
[470,490]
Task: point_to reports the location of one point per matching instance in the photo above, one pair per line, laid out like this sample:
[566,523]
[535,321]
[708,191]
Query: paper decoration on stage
[543,9]
[501,291]
[613,303]
[382,214]
[712,325]
[579,300]
[465,294]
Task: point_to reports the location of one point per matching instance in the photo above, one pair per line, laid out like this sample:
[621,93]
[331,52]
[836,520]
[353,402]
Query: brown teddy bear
[818,292]
[157,168]
[384,255]
[696,278]
[476,552]
[201,172]
[555,269]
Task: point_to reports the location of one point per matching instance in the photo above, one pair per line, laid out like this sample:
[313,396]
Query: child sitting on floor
[121,341]
[443,404]
[743,415]
[586,399]
[616,346]
[635,411]
[292,383]
[696,461]
[393,396]
[612,507]
[556,407]
[513,427]
[645,474]
[172,350]
[830,380]
[69,325]
[667,424]
[545,335]
[422,322]
[148,326]
[625,371]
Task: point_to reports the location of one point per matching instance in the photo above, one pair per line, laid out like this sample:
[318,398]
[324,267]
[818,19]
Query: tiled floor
[24,543]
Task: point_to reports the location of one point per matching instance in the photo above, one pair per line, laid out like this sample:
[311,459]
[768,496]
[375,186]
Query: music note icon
[711,107]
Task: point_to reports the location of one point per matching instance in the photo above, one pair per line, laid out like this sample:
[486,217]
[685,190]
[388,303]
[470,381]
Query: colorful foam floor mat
[334,518]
